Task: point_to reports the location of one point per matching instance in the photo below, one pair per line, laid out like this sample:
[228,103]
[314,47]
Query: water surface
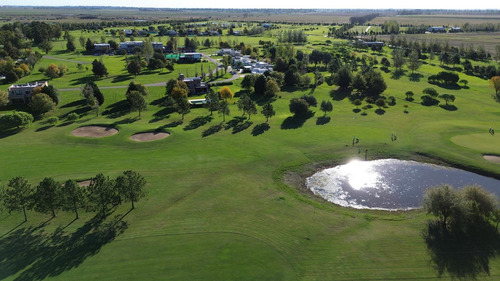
[389,184]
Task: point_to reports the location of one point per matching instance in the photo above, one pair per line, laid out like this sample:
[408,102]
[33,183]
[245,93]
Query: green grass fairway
[225,200]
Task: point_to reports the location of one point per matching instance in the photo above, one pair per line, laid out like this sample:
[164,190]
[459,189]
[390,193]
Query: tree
[298,106]
[131,186]
[247,82]
[380,103]
[45,197]
[70,44]
[326,106]
[357,103]
[72,197]
[413,61]
[134,67]
[247,105]
[268,111]
[52,92]
[4,98]
[53,120]
[226,93]
[41,103]
[46,46]
[92,94]
[375,84]
[100,194]
[72,117]
[483,203]
[17,119]
[147,50]
[259,85]
[409,95]
[359,82]
[310,99]
[272,87]
[18,195]
[212,101]
[136,101]
[430,91]
[99,69]
[139,87]
[81,40]
[183,107]
[343,77]
[224,109]
[89,45]
[398,58]
[495,84]
[179,92]
[447,98]
[441,201]
[52,71]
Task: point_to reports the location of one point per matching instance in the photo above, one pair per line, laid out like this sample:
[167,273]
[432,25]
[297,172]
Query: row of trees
[49,196]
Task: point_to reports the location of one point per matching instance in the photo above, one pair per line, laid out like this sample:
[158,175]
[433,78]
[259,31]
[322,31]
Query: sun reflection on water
[360,175]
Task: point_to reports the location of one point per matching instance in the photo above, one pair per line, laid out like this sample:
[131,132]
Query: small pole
[366,154]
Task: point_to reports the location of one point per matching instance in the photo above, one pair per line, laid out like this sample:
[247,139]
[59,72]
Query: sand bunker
[492,158]
[149,136]
[85,183]
[94,132]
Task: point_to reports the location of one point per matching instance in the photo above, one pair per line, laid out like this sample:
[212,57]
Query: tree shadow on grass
[415,77]
[172,124]
[397,74]
[37,255]
[159,101]
[117,109]
[296,121]
[260,129]
[198,122]
[449,107]
[83,80]
[462,254]
[128,120]
[44,128]
[242,126]
[340,94]
[212,130]
[380,111]
[234,122]
[7,133]
[323,120]
[121,78]
[162,114]
[78,103]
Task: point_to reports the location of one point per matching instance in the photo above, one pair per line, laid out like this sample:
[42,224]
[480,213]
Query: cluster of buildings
[129,46]
[245,62]
[442,29]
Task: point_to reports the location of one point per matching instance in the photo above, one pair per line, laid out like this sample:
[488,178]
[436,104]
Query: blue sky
[327,4]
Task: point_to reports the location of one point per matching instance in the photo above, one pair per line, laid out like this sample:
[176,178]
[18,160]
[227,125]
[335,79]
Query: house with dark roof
[195,85]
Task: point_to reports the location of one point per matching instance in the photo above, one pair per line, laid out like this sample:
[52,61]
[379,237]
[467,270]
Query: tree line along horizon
[102,194]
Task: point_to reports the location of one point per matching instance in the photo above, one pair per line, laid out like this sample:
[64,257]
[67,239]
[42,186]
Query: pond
[389,184]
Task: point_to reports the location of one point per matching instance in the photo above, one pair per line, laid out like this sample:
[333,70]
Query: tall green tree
[212,101]
[413,61]
[137,101]
[46,196]
[268,111]
[398,58]
[183,107]
[99,69]
[224,109]
[4,98]
[41,103]
[72,197]
[326,106]
[18,195]
[101,194]
[131,186]
[134,67]
[260,85]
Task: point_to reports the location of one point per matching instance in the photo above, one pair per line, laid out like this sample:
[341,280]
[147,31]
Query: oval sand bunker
[150,136]
[492,158]
[94,132]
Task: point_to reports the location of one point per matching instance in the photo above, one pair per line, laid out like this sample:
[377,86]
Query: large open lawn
[228,205]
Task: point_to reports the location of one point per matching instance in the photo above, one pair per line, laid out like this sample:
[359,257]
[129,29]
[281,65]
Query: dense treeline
[49,196]
[362,19]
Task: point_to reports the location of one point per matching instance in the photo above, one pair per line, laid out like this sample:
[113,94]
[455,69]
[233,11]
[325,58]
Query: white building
[21,93]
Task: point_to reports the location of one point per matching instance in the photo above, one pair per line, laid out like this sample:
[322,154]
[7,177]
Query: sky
[281,4]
